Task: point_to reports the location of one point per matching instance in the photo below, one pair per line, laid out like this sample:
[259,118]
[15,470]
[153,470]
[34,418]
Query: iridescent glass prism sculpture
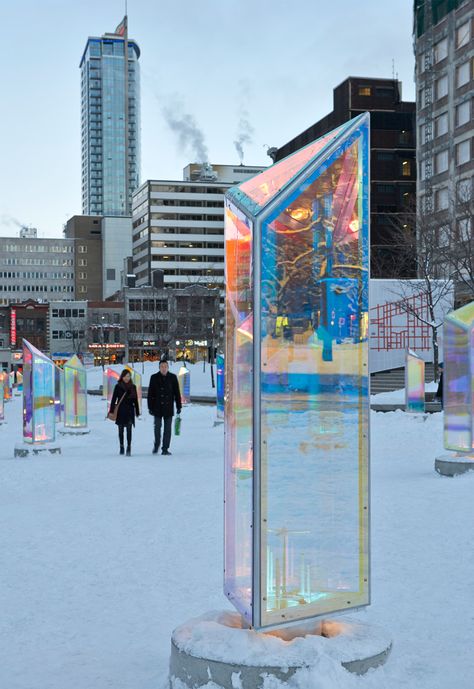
[220,386]
[38,396]
[112,378]
[184,382]
[59,393]
[75,393]
[137,381]
[414,383]
[458,378]
[296,383]
[2,401]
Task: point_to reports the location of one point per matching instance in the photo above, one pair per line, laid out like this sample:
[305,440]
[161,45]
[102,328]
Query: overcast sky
[271,62]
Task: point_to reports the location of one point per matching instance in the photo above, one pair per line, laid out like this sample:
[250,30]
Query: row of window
[68,313]
[441,159]
[36,288]
[463,75]
[462,116]
[67,334]
[36,262]
[148,305]
[41,248]
[31,275]
[463,195]
[440,49]
[186,259]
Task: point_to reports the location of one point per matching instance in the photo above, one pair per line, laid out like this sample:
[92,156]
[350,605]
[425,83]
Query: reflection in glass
[414,383]
[220,384]
[75,393]
[111,378]
[137,381]
[59,393]
[458,398]
[297,383]
[38,396]
[184,382]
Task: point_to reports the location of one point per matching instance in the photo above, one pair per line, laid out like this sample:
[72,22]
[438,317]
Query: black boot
[155,449]
[122,450]
[129,451]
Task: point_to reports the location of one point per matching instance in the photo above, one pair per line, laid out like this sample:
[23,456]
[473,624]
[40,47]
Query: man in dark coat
[163,394]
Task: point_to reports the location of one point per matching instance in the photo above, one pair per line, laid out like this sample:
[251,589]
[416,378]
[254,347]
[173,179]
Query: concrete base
[73,431]
[215,648]
[27,450]
[452,465]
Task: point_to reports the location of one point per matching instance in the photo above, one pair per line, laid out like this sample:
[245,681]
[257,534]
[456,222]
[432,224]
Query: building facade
[110,124]
[116,247]
[178,227]
[106,332]
[85,231]
[38,269]
[67,328]
[444,51]
[392,167]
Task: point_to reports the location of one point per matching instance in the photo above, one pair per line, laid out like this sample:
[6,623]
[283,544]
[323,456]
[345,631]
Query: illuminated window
[365,91]
[406,168]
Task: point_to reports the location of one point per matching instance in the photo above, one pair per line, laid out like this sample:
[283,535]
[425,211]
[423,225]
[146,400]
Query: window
[82,276]
[441,124]
[464,190]
[406,168]
[441,199]
[421,63]
[441,50]
[464,229]
[463,113]
[83,288]
[82,249]
[110,273]
[82,262]
[443,235]
[365,91]
[422,133]
[441,162]
[441,87]
[463,74]
[463,34]
[463,152]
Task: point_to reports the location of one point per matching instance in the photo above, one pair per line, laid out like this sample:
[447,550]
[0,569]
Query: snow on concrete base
[214,648]
[27,450]
[452,465]
[74,431]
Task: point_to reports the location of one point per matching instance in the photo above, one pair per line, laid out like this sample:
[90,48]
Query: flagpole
[126,113]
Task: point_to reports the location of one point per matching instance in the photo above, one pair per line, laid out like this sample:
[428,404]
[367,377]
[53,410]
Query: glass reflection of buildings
[297,383]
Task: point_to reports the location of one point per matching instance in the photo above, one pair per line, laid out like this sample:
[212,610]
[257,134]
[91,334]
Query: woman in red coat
[125,396]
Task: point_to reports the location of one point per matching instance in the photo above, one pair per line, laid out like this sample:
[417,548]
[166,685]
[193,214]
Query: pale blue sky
[276,59]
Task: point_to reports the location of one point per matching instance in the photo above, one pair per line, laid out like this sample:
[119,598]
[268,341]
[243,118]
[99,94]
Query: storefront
[107,354]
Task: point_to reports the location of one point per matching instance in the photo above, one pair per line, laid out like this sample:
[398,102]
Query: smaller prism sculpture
[414,383]
[137,381]
[59,393]
[7,391]
[39,424]
[458,379]
[111,377]
[75,393]
[220,386]
[2,401]
[19,381]
[184,381]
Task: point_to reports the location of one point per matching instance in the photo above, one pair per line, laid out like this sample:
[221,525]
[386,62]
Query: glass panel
[314,393]
[262,188]
[238,418]
[2,401]
[7,391]
[220,384]
[137,381]
[19,381]
[59,393]
[75,393]
[184,381]
[38,396]
[414,383]
[112,380]
[457,384]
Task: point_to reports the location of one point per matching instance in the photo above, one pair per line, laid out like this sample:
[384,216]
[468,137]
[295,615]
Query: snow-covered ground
[201,383]
[398,396]
[102,556]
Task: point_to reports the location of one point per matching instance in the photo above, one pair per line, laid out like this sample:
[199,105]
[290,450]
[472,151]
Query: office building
[178,227]
[110,124]
[67,329]
[444,51]
[38,269]
[85,232]
[393,169]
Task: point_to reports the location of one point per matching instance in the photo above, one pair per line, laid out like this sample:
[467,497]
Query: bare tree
[75,331]
[435,275]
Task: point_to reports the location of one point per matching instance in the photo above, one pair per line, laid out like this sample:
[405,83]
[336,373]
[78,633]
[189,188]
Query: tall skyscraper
[110,123]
